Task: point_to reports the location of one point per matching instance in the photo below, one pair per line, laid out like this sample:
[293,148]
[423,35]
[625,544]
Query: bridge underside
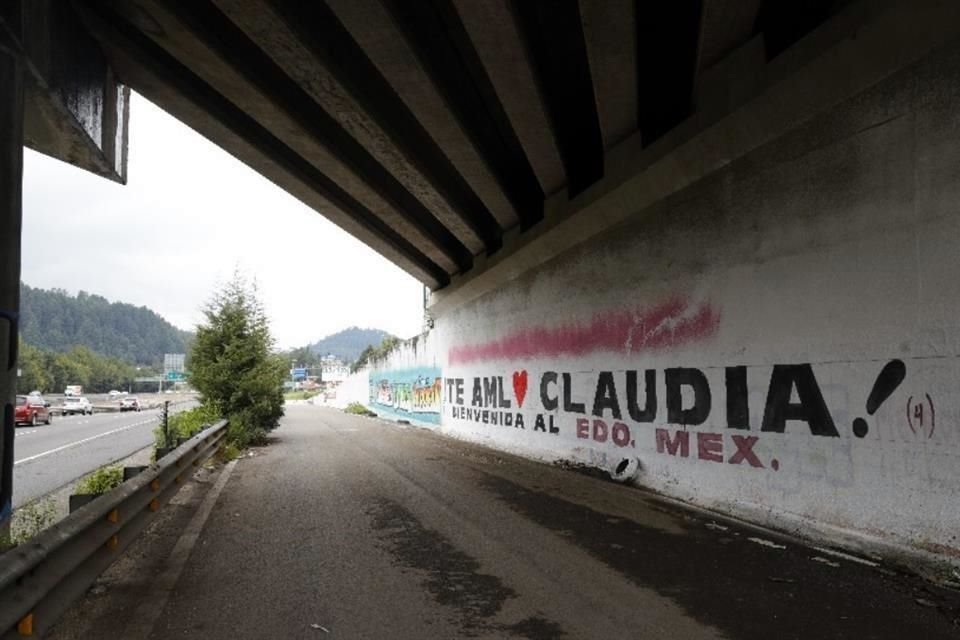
[443,133]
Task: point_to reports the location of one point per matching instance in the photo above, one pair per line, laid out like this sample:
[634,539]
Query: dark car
[130,404]
[32,410]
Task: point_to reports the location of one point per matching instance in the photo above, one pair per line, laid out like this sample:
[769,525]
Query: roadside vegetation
[28,521]
[300,395]
[100,481]
[358,409]
[185,424]
[233,366]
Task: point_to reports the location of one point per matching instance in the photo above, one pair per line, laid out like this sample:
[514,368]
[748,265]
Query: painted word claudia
[638,399]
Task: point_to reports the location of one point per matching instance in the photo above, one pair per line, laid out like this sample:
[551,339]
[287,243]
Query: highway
[47,457]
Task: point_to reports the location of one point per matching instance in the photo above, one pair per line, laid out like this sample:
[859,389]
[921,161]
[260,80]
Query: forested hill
[348,344]
[56,321]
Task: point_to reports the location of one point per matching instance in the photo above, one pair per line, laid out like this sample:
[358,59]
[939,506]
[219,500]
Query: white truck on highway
[73,390]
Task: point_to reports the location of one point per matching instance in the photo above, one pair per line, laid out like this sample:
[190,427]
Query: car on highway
[32,410]
[130,404]
[74,405]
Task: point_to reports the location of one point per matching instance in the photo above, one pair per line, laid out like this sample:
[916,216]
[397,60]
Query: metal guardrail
[41,578]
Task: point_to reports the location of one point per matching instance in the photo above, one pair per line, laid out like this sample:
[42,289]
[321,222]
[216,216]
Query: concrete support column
[11,177]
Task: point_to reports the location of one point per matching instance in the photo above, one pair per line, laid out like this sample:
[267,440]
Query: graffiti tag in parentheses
[920,414]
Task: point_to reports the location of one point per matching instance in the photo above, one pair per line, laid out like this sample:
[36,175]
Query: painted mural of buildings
[413,394]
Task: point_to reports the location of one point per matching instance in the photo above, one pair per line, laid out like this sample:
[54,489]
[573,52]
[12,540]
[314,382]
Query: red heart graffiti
[520,386]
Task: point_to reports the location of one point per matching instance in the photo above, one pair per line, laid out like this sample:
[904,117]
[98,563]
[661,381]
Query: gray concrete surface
[47,457]
[355,528]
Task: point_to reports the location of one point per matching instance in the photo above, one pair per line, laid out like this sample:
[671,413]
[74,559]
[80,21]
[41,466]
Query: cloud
[189,216]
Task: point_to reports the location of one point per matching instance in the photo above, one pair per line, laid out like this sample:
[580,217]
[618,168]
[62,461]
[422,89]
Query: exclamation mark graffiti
[887,382]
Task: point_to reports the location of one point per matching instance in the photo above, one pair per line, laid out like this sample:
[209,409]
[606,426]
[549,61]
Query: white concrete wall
[354,388]
[802,271]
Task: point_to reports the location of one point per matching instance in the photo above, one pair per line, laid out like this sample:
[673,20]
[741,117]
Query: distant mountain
[348,344]
[57,321]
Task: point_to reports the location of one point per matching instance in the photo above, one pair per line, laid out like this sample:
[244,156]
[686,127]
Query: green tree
[65,369]
[104,373]
[232,365]
[33,372]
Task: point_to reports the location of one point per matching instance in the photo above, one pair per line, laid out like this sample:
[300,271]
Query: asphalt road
[348,527]
[47,457]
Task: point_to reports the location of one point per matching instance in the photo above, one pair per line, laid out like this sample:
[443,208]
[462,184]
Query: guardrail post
[25,626]
[132,472]
[166,423]
[11,178]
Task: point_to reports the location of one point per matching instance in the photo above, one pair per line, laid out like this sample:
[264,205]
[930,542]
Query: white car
[72,405]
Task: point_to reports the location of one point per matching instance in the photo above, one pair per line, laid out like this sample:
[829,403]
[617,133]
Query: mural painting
[409,394]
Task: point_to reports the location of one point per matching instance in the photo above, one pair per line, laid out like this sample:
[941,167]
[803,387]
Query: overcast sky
[190,216]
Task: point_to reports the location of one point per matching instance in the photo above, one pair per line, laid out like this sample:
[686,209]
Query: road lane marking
[79,442]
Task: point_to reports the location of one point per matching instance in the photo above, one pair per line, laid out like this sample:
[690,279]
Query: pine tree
[232,365]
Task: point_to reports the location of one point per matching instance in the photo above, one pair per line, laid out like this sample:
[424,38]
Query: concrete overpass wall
[777,341]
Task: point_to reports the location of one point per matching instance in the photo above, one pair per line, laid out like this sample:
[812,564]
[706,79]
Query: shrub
[186,424]
[358,409]
[228,452]
[100,481]
[28,521]
[244,432]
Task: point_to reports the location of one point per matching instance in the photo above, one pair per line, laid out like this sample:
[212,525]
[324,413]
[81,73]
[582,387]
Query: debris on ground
[767,543]
[847,556]
[822,560]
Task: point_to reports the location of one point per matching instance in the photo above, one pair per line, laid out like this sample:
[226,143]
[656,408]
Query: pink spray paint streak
[670,324]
